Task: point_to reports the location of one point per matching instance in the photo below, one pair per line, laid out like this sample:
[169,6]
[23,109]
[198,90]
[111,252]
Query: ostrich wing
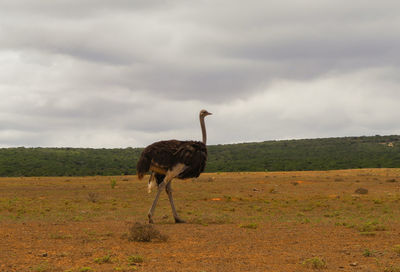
[194,156]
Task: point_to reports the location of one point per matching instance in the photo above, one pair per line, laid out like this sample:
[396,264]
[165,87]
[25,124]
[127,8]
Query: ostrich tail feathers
[143,166]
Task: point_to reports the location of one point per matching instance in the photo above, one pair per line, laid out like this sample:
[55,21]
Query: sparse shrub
[104,259]
[145,233]
[396,249]
[228,198]
[43,267]
[113,183]
[273,191]
[60,236]
[331,215]
[315,263]
[368,233]
[85,269]
[249,226]
[392,269]
[135,259]
[391,180]
[371,226]
[93,197]
[368,253]
[361,191]
[77,218]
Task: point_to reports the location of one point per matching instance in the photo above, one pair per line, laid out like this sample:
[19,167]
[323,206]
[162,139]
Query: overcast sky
[125,73]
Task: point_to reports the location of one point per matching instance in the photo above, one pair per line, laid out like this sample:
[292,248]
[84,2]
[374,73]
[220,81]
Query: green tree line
[289,155]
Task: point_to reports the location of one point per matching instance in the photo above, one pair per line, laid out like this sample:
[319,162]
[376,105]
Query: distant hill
[289,155]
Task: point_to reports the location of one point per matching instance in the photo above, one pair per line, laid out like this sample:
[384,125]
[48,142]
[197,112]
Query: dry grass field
[272,221]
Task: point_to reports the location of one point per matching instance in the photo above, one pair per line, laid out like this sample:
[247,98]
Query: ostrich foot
[150,219]
[178,220]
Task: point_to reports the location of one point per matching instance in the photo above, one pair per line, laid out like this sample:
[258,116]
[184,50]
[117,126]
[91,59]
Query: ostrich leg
[161,186]
[179,168]
[168,189]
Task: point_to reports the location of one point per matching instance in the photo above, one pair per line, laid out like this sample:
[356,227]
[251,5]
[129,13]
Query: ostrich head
[204,113]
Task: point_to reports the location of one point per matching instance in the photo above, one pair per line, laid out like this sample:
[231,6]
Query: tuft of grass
[273,191]
[368,253]
[113,183]
[93,197]
[85,269]
[60,236]
[396,249]
[249,226]
[361,191]
[391,180]
[104,259]
[43,267]
[371,226]
[368,233]
[135,259]
[125,269]
[392,268]
[331,215]
[145,233]
[315,263]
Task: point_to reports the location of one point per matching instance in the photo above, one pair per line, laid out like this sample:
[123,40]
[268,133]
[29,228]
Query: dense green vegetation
[309,154]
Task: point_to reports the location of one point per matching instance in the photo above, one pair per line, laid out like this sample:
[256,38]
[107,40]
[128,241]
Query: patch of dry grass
[145,233]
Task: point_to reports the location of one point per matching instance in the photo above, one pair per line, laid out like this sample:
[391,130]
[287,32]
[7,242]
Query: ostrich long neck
[203,129]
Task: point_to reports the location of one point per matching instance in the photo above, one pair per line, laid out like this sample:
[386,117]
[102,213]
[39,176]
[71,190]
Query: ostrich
[173,159]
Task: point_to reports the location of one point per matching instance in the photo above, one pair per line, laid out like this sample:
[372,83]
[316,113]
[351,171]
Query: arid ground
[269,221]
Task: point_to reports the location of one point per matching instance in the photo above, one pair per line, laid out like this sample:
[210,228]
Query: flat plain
[347,220]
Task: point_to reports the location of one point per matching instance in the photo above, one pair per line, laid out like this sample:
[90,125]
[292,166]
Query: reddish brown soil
[33,243]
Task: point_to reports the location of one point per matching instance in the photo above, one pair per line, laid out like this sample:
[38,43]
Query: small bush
[396,249]
[315,263]
[85,269]
[43,267]
[249,226]
[60,236]
[368,253]
[368,233]
[361,191]
[392,269]
[371,226]
[102,260]
[113,183]
[145,233]
[93,197]
[391,180]
[135,259]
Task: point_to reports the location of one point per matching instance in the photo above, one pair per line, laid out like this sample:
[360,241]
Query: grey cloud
[130,72]
[168,52]
[85,8]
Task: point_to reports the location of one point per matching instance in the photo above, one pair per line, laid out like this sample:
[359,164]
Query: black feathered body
[161,157]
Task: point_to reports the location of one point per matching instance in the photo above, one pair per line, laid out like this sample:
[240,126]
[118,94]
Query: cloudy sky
[125,73]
